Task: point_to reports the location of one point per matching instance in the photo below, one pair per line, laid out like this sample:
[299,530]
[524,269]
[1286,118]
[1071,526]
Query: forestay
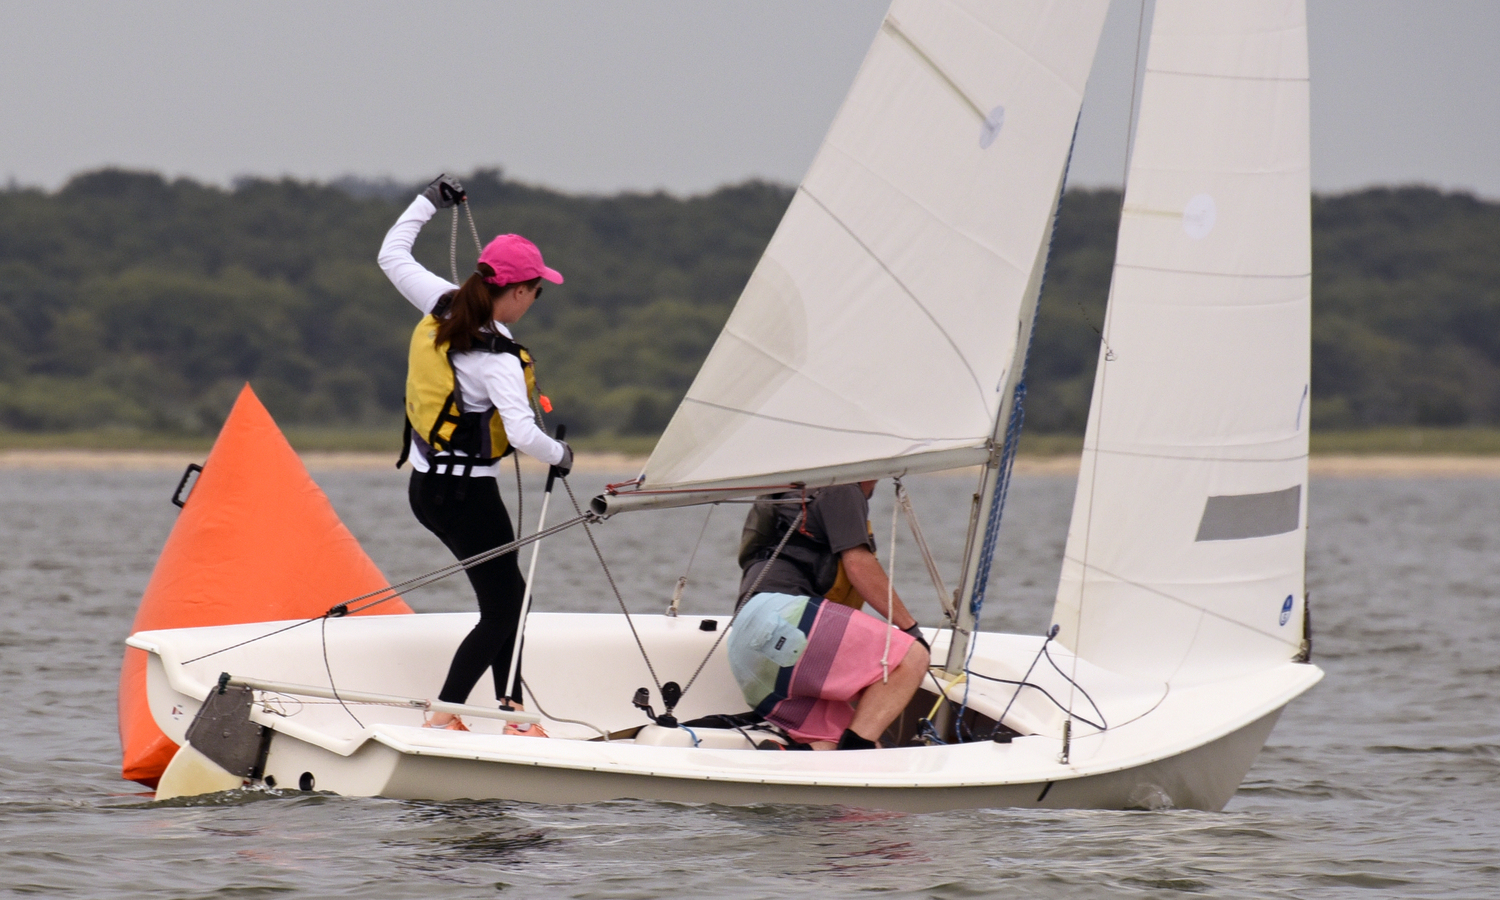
[1185,556]
[874,335]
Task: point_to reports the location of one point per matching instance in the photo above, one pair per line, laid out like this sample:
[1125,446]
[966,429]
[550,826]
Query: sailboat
[884,333]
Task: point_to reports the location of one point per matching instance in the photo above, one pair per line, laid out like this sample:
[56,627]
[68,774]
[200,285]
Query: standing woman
[468,392]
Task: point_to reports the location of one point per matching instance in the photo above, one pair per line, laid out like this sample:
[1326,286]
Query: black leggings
[469,517]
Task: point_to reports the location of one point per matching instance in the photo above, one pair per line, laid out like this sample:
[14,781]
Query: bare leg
[882,702]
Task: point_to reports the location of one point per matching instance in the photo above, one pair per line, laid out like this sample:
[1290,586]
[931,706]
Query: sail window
[1234,517]
[991,127]
[1199,216]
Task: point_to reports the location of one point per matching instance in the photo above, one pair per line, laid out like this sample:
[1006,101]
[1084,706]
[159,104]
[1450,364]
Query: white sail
[1185,556]
[875,333]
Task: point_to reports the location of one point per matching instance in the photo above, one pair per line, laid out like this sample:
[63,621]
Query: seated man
[803,661]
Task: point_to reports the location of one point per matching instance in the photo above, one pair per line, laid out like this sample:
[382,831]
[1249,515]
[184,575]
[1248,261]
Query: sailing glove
[444,192]
[916,632]
[564,465]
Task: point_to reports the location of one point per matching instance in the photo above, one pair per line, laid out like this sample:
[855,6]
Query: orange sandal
[526,729]
[453,724]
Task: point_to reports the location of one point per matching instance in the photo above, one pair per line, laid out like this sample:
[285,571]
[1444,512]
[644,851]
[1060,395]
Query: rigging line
[1109,352]
[701,532]
[1166,689]
[1047,653]
[682,581]
[541,709]
[963,707]
[979,388]
[520,499]
[890,590]
[328,667]
[473,229]
[945,599]
[1000,719]
[1103,376]
[453,247]
[609,576]
[997,505]
[394,590]
[1044,693]
[759,577]
[453,238]
[475,560]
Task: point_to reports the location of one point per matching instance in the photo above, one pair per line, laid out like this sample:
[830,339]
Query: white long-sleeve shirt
[484,379]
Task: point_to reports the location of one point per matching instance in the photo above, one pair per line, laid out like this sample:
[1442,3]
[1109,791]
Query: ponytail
[471,308]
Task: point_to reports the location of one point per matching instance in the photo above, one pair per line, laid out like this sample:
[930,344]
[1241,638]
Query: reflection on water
[1385,778]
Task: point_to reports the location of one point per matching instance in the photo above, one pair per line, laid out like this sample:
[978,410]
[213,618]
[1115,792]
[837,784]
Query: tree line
[128,300]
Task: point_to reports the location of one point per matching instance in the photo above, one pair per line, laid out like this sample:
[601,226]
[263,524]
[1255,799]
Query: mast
[994,479]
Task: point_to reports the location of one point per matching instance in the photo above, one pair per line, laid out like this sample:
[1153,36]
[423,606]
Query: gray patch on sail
[1234,517]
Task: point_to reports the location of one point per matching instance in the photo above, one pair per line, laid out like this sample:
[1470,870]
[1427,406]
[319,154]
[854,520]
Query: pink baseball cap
[516,259]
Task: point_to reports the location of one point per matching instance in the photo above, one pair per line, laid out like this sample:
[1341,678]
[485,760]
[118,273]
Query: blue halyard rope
[992,526]
[1008,453]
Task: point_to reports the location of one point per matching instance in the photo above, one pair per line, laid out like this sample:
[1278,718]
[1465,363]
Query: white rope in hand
[890,598]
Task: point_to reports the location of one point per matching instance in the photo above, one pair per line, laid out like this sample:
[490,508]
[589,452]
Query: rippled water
[1385,780]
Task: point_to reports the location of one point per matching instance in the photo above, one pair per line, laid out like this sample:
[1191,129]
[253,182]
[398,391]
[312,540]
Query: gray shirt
[837,520]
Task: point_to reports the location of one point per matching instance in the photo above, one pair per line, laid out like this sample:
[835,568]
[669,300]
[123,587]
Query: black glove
[916,631]
[444,192]
[564,465]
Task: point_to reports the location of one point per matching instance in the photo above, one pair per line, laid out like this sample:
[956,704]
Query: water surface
[1383,781]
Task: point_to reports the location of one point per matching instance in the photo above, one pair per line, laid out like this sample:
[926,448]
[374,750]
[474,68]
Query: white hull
[1183,747]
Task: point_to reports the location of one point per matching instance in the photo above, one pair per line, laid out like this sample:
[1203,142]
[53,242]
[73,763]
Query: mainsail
[1185,556]
[877,333]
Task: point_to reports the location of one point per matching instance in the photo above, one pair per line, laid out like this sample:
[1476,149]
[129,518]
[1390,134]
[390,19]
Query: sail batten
[879,326]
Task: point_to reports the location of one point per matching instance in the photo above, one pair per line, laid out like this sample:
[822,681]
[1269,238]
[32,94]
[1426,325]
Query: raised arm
[419,286]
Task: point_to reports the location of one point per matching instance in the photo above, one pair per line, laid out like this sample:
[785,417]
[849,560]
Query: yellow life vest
[434,406]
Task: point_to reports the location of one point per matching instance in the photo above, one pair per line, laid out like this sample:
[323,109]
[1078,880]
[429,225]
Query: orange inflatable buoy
[256,541]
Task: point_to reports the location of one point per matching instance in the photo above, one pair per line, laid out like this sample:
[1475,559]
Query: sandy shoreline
[1331,466]
[141,460]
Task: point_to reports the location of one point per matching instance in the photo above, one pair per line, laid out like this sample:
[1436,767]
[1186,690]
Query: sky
[601,96]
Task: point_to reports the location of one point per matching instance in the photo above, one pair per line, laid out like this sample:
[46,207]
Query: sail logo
[1286,610]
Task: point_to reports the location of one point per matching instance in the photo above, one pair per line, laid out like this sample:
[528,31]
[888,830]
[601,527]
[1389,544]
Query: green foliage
[1406,310]
[134,305]
[131,302]
[1070,314]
